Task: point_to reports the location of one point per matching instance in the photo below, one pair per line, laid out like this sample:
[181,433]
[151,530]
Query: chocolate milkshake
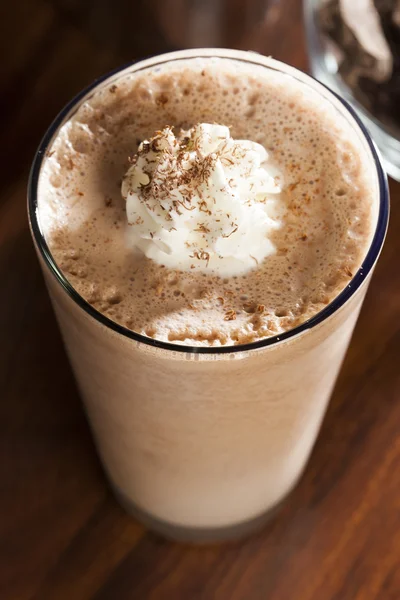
[208,214]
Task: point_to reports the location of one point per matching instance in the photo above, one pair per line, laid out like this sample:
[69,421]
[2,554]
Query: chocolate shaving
[230,315]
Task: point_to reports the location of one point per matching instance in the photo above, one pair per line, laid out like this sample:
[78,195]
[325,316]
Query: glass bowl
[324,66]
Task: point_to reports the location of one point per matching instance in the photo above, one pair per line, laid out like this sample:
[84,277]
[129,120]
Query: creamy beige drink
[209,203]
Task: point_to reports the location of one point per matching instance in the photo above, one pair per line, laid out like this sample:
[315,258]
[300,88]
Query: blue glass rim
[330,309]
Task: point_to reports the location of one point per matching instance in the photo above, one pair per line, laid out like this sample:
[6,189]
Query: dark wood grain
[62,535]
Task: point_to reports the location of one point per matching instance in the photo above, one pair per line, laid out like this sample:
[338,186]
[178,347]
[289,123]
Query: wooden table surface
[62,534]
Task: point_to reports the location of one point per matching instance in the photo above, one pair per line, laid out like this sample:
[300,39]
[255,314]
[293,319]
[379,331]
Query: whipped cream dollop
[202,200]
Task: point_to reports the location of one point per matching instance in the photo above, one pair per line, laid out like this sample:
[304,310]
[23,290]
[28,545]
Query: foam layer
[328,197]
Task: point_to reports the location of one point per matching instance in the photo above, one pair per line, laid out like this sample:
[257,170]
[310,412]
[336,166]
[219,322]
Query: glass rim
[241,56]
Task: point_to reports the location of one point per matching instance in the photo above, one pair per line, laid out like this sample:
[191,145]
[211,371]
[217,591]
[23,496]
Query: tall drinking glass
[201,442]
